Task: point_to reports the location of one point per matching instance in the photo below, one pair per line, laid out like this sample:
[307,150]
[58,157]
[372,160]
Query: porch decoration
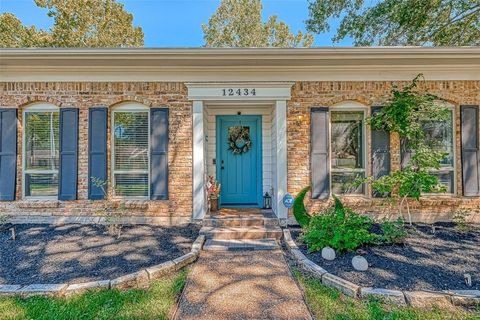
[267,201]
[239,141]
[213,189]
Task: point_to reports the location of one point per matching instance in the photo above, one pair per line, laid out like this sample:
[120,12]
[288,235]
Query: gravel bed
[78,253]
[427,260]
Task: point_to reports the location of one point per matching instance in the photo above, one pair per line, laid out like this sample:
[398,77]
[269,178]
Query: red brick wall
[86,95]
[310,94]
[174,96]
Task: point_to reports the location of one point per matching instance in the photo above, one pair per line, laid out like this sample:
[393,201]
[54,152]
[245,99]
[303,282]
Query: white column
[281,157]
[199,207]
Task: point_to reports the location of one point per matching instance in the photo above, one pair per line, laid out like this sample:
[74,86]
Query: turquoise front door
[239,163]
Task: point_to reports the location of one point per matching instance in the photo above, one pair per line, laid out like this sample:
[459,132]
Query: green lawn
[153,303]
[327,303]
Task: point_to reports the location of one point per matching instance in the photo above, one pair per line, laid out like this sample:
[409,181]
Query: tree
[89,23]
[403,114]
[400,22]
[238,23]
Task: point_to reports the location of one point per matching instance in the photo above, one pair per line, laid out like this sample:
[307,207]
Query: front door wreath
[239,140]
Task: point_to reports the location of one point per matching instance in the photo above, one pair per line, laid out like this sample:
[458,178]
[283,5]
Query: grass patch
[153,303]
[328,303]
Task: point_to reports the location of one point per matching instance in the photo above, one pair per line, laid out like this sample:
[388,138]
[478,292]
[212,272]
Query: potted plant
[213,189]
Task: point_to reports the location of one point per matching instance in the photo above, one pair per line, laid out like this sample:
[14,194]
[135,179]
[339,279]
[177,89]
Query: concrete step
[240,222]
[230,233]
[240,245]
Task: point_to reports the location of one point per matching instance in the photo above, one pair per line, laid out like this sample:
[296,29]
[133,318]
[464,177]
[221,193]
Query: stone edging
[139,279]
[421,299]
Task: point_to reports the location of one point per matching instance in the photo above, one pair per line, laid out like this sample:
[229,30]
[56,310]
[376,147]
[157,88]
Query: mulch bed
[427,260]
[78,253]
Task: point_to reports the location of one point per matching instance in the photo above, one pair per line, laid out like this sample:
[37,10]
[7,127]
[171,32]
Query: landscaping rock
[424,299]
[465,298]
[132,280]
[43,289]
[313,268]
[198,243]
[82,287]
[160,270]
[348,288]
[393,296]
[185,260]
[328,253]
[298,255]
[8,289]
[360,263]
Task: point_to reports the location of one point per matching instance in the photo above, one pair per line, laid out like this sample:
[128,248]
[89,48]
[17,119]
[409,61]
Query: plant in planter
[213,189]
[113,211]
[404,114]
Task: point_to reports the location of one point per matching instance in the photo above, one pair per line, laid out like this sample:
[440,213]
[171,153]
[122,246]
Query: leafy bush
[393,231]
[340,228]
[299,211]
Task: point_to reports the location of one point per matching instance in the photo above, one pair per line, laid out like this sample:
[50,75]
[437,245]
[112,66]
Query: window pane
[439,135]
[41,184]
[42,140]
[347,137]
[341,183]
[131,185]
[131,140]
[446,178]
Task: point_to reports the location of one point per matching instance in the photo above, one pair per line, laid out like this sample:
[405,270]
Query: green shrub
[299,211]
[340,228]
[393,231]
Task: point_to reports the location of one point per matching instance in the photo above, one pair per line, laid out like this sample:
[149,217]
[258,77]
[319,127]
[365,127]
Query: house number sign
[239,92]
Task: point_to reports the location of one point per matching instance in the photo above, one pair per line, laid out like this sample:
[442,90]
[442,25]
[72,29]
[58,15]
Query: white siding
[266,113]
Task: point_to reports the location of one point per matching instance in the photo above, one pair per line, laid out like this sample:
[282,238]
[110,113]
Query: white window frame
[128,107]
[451,108]
[36,108]
[349,106]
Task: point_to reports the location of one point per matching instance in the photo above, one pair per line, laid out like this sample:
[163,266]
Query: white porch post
[199,207]
[281,157]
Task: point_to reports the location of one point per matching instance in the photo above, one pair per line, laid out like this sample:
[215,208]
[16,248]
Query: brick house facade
[196,100]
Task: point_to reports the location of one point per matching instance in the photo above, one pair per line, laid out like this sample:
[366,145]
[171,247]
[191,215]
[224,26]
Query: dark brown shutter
[380,152]
[470,151]
[320,160]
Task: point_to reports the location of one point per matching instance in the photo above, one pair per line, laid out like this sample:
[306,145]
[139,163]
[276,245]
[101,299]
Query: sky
[177,23]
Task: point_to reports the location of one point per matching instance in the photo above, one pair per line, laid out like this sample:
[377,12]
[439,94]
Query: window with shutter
[131,157]
[41,149]
[439,135]
[348,151]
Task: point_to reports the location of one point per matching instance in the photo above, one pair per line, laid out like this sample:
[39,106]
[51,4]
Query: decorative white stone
[328,253]
[360,263]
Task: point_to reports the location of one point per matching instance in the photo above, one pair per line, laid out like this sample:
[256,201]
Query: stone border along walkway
[420,299]
[139,279]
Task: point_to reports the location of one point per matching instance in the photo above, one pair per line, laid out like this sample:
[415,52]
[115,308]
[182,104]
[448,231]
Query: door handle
[222,168]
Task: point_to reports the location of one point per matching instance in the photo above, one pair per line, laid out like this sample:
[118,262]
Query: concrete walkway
[242,285]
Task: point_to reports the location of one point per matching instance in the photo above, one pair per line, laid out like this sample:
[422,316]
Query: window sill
[38,203]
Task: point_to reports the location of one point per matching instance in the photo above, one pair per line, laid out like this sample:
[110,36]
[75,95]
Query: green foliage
[238,23]
[299,211]
[340,228]
[88,23]
[393,231]
[156,302]
[399,22]
[343,229]
[330,304]
[404,114]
